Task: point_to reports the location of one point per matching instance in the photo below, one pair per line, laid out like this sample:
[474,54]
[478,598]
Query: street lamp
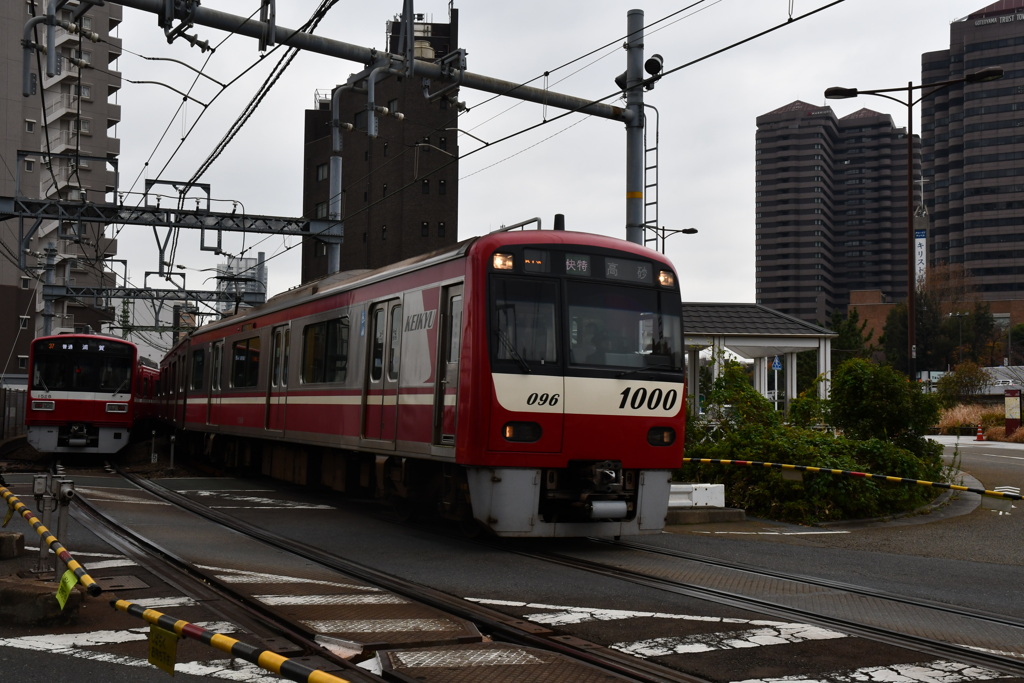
[664,233]
[837,93]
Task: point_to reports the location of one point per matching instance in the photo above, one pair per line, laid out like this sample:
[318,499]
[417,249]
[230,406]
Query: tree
[852,342]
[964,384]
[871,401]
[1012,345]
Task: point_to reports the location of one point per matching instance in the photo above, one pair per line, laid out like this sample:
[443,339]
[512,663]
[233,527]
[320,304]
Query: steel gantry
[175,16]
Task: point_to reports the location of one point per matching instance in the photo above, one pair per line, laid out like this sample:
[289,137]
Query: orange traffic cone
[981,437]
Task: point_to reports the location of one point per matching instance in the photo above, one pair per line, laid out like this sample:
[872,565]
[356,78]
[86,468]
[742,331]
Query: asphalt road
[961,553]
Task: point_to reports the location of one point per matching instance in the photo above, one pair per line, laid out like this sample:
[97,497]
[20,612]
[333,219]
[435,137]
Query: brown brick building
[400,193]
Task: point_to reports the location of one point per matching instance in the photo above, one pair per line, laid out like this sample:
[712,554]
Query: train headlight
[502,261]
[661,436]
[43,405]
[117,407]
[522,432]
[666,278]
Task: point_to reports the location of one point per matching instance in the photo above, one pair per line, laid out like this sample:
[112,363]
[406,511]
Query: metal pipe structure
[378,63]
[635,126]
[838,93]
[203,16]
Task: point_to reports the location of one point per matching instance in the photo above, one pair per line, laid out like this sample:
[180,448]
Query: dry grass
[999,434]
[991,418]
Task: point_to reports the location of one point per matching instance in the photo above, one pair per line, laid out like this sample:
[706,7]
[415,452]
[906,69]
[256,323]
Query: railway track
[688,578]
[981,639]
[602,664]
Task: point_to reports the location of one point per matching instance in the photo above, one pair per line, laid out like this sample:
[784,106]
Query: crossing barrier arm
[265,659]
[862,475]
[59,550]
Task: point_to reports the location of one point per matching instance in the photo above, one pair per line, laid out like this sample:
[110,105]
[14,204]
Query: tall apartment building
[240,275]
[973,145]
[55,143]
[831,208]
[400,192]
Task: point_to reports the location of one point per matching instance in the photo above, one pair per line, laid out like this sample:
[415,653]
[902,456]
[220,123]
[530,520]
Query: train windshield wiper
[512,351]
[121,386]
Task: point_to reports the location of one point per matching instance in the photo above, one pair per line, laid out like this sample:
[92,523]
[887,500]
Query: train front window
[624,327]
[93,366]
[524,328]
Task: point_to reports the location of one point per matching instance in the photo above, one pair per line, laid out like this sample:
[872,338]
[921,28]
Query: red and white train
[527,381]
[86,392]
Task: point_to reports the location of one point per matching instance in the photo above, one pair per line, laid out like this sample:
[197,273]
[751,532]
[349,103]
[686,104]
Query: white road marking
[73,644]
[784,634]
[257,502]
[110,495]
[382,599]
[161,604]
[939,671]
[379,625]
[106,564]
[579,615]
[242,576]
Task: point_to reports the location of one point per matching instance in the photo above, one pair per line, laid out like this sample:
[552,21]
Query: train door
[213,402]
[446,391]
[277,387]
[380,398]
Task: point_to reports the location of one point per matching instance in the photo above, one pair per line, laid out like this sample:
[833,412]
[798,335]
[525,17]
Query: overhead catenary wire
[544,122]
[515,134]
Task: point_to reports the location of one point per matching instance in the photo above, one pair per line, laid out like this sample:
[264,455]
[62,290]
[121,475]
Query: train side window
[245,362]
[325,351]
[278,355]
[455,333]
[198,369]
[215,365]
[287,347]
[377,358]
[394,353]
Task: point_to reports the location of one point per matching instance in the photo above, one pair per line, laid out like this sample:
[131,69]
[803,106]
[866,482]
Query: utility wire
[613,95]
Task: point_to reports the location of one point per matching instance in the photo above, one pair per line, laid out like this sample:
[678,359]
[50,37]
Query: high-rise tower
[56,143]
[973,143]
[830,212]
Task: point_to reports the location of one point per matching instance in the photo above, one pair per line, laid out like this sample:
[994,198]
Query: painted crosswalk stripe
[785,634]
[939,671]
[363,599]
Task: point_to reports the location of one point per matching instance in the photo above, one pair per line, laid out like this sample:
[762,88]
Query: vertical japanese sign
[920,256]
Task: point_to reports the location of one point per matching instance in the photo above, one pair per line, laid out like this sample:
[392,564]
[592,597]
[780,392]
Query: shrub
[884,417]
[763,492]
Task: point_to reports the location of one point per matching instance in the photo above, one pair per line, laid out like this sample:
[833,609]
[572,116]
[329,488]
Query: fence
[12,405]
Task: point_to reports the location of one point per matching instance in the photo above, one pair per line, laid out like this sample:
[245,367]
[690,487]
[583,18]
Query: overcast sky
[574,166]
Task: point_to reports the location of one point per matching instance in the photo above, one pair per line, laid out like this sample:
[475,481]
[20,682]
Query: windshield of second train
[66,366]
[624,327]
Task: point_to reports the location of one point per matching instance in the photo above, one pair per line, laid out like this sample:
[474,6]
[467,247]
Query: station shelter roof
[749,330]
[758,333]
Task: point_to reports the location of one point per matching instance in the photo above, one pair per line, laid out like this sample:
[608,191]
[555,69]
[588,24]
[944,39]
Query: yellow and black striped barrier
[265,659]
[59,550]
[863,475]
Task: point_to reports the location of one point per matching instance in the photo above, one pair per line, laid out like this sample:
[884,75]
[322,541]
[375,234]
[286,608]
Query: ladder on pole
[653,236]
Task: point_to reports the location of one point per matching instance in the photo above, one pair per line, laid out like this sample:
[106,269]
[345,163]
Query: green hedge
[750,430]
